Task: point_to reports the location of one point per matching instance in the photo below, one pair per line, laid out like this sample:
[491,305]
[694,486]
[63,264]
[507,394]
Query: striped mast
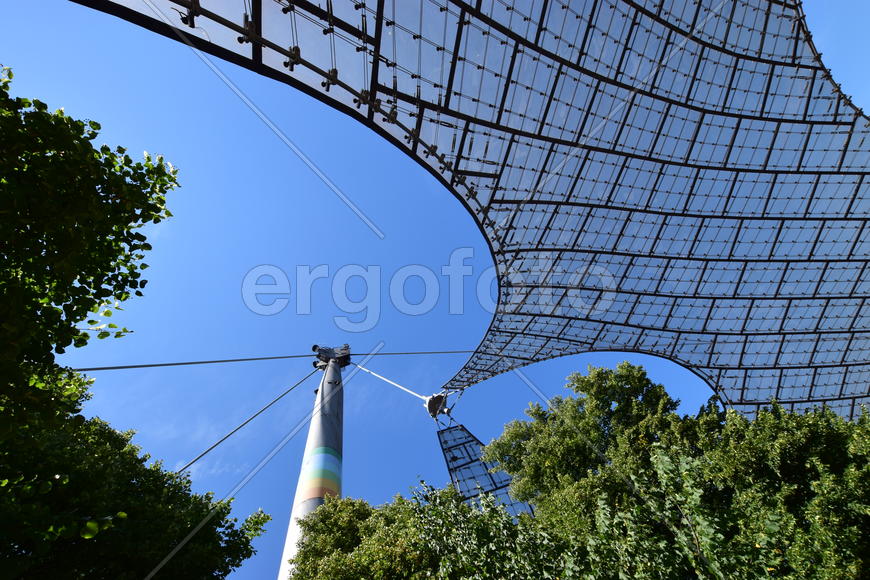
[320,474]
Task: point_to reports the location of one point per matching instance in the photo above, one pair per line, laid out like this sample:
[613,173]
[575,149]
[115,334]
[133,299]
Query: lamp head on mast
[324,354]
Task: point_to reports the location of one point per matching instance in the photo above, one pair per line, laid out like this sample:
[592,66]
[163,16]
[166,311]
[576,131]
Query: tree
[433,534]
[70,215]
[80,500]
[85,503]
[71,212]
[77,498]
[634,487]
[623,487]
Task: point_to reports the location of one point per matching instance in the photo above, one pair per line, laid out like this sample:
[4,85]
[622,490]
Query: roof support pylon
[320,474]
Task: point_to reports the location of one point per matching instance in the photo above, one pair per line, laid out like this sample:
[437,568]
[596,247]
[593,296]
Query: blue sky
[247,200]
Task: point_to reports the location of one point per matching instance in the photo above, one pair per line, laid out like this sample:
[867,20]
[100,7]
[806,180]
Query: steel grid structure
[680,178]
[470,475]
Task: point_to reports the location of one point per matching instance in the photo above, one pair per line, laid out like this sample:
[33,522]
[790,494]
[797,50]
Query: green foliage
[433,534]
[81,501]
[71,212]
[574,437]
[623,487]
[716,495]
[77,498]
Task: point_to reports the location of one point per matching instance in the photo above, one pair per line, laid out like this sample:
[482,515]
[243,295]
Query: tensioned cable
[418,352]
[196,362]
[245,422]
[250,475]
[373,373]
[238,487]
[234,360]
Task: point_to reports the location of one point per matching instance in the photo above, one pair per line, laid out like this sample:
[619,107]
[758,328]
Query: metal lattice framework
[680,178]
[470,475]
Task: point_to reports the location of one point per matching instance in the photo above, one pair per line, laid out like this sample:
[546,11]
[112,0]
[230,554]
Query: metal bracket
[437,405]
[331,79]
[294,58]
[340,354]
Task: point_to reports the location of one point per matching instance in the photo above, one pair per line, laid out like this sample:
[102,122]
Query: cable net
[470,475]
[676,178]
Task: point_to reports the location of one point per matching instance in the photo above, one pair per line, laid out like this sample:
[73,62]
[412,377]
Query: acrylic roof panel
[676,178]
[469,474]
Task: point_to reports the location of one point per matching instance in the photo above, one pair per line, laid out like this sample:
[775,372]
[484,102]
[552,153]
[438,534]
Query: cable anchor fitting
[365,98]
[249,31]
[294,58]
[192,12]
[392,116]
[331,79]
[437,405]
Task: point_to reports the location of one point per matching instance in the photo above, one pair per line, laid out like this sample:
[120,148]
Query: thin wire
[266,120]
[253,472]
[234,360]
[195,362]
[420,352]
[238,487]
[245,422]
[386,380]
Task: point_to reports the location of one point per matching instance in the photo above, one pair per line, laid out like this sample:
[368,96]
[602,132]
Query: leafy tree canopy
[77,498]
[71,212]
[623,487]
[433,534]
[83,501]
